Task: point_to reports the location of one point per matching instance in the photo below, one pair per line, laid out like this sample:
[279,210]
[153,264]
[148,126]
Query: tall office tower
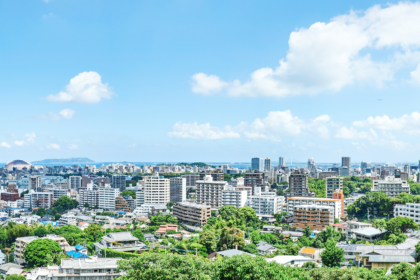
[346,161]
[257,164]
[407,169]
[332,184]
[281,162]
[365,165]
[225,168]
[267,164]
[298,185]
[118,182]
[75,182]
[344,171]
[209,192]
[311,164]
[178,188]
[107,197]
[156,190]
[34,182]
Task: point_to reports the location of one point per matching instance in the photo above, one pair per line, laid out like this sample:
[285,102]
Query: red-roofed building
[340,227]
[164,228]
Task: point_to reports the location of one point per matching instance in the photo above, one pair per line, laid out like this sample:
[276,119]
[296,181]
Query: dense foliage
[129,193]
[317,186]
[171,266]
[42,252]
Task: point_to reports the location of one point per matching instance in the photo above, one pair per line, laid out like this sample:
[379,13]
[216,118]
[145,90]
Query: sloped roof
[309,250]
[121,236]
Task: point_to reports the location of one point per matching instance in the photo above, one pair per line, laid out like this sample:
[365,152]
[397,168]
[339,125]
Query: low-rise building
[409,210]
[313,253]
[265,203]
[88,268]
[391,186]
[291,260]
[197,214]
[314,216]
[119,241]
[353,225]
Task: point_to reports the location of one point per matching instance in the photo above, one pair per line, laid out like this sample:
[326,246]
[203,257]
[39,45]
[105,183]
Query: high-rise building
[265,203]
[332,184]
[282,163]
[209,192]
[38,199]
[267,164]
[156,190]
[298,185]
[225,168]
[365,165]
[311,164]
[191,212]
[89,195]
[178,188]
[257,164]
[234,197]
[407,169]
[118,182]
[75,182]
[252,179]
[34,182]
[345,171]
[346,161]
[191,179]
[107,197]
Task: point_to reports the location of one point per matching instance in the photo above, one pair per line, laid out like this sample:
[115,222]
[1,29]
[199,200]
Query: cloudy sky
[210,80]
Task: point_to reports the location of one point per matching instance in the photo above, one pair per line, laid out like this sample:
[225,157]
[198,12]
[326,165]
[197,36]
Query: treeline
[172,266]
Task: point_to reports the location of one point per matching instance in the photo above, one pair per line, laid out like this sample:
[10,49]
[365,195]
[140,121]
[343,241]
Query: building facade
[292,202]
[107,197]
[391,186]
[178,189]
[156,190]
[298,185]
[118,182]
[257,164]
[209,192]
[75,182]
[332,184]
[234,197]
[314,216]
[191,212]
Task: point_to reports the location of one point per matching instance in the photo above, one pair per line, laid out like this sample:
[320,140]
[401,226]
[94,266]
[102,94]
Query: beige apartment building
[314,216]
[192,212]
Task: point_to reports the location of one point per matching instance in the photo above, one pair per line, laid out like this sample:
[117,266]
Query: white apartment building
[391,186]
[409,210]
[67,219]
[178,189]
[295,201]
[231,196]
[75,182]
[38,199]
[265,203]
[209,192]
[156,190]
[88,269]
[107,197]
[139,198]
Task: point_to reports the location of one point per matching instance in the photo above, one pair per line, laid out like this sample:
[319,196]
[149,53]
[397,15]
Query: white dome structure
[19,164]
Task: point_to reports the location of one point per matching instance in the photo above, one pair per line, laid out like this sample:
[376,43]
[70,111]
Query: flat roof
[313,198]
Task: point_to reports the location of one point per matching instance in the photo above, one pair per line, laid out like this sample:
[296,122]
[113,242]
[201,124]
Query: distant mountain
[63,161]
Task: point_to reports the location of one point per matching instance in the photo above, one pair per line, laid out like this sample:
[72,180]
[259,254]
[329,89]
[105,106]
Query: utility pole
[196,251]
[368,214]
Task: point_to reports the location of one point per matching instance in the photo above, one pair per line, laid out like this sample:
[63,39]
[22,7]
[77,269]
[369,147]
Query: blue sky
[209,80]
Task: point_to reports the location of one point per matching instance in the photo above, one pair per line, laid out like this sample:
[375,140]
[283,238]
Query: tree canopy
[41,252]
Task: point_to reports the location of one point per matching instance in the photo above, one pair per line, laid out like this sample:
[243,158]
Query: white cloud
[201,131]
[30,137]
[352,133]
[329,56]
[134,145]
[86,87]
[4,145]
[203,83]
[73,147]
[53,146]
[67,113]
[19,143]
[415,76]
[409,124]
[275,125]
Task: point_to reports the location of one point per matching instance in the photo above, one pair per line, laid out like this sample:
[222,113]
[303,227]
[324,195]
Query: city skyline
[210,81]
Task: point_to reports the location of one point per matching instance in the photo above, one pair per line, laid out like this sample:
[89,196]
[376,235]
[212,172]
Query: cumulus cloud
[4,145]
[201,131]
[73,147]
[19,143]
[409,124]
[352,133]
[275,125]
[86,87]
[30,137]
[328,56]
[53,146]
[67,113]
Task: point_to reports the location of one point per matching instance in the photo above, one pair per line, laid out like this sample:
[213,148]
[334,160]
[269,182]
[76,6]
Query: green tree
[169,205]
[36,252]
[255,237]
[129,193]
[40,231]
[379,224]
[251,248]
[307,231]
[3,238]
[400,225]
[332,256]
[228,211]
[139,234]
[418,248]
[15,277]
[86,205]
[40,212]
[65,203]
[279,192]
[208,240]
